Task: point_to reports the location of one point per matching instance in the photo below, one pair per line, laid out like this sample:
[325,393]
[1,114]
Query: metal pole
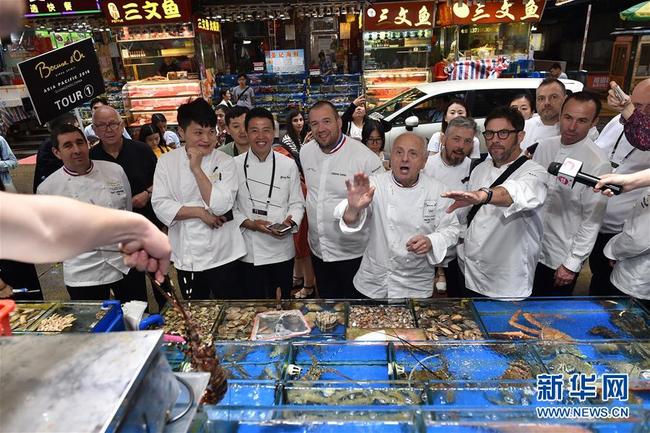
[584,40]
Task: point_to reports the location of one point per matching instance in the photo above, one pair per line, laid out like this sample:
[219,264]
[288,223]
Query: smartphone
[619,94]
[279,228]
[228,215]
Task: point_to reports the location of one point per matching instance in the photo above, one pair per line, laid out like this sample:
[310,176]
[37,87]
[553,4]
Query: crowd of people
[323,212]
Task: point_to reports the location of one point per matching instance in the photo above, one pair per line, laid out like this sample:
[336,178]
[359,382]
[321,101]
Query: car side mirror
[411,122]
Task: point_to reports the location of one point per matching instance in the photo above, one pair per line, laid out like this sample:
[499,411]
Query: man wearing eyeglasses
[504,226]
[89,132]
[136,158]
[572,216]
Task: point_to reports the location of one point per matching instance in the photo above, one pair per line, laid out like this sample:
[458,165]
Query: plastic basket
[6,307]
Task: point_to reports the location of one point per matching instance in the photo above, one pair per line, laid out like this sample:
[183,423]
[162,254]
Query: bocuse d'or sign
[62,79]
[399,16]
[502,11]
[132,12]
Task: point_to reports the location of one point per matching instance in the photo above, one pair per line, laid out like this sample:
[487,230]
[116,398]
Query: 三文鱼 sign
[132,12]
[503,11]
[397,16]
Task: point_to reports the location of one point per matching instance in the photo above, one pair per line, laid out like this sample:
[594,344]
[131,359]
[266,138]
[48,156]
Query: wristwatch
[489,193]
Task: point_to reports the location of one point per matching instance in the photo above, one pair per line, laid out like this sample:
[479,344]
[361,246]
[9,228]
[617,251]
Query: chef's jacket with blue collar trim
[325,176]
[396,215]
[105,184]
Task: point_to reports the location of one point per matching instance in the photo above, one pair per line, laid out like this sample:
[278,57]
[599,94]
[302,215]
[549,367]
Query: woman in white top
[455,108]
[523,103]
[222,133]
[169,138]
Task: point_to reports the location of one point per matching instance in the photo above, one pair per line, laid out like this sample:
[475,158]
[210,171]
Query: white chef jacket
[630,160]
[502,244]
[631,250]
[434,145]
[195,245]
[172,139]
[286,199]
[536,131]
[325,176]
[395,215]
[456,178]
[572,216]
[105,185]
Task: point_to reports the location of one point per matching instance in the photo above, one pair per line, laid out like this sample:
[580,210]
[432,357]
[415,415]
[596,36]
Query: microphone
[568,173]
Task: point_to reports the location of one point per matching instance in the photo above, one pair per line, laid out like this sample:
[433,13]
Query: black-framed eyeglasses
[502,134]
[375,140]
[104,126]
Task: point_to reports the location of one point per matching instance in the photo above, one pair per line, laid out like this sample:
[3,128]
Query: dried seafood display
[380,316]
[56,323]
[26,314]
[238,321]
[453,322]
[204,313]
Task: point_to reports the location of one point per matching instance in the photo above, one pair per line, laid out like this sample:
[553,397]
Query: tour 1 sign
[62,79]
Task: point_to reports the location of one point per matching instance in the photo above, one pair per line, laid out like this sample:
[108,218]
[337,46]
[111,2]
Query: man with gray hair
[451,166]
[410,231]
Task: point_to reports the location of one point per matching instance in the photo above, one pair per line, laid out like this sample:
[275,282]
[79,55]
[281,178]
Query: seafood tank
[431,365]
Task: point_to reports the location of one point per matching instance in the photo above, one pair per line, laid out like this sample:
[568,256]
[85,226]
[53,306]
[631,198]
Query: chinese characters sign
[397,16]
[503,11]
[62,79]
[207,25]
[120,12]
[285,61]
[45,8]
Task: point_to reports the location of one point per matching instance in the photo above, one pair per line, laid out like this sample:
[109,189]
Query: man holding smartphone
[269,206]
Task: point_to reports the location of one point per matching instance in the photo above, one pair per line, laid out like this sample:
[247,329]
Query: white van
[426,100]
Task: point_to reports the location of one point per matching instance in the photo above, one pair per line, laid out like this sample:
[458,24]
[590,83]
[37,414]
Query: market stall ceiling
[234,11]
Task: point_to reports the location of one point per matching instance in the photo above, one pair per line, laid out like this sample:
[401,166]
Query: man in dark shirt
[139,163]
[46,162]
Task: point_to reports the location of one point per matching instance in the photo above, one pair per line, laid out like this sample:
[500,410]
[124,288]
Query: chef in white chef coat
[410,231]
[630,252]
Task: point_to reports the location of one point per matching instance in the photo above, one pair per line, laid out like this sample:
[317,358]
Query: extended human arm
[360,194]
[42,229]
[629,182]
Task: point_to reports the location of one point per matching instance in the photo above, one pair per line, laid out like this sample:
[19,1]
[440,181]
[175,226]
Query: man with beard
[327,161]
[451,166]
[504,226]
[550,96]
[410,231]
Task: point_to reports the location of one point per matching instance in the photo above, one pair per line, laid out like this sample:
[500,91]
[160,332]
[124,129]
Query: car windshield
[398,102]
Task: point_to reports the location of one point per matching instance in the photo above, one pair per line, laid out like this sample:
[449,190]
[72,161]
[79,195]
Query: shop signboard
[49,8]
[398,16]
[206,24]
[137,12]
[285,61]
[62,79]
[503,11]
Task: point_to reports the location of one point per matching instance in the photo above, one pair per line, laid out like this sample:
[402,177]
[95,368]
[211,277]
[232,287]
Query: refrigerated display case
[144,98]
[394,61]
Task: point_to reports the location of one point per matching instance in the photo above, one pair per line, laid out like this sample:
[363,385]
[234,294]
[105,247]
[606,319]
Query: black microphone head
[554,168]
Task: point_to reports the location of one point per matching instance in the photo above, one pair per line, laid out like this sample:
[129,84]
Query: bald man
[410,231]
[139,163]
[624,159]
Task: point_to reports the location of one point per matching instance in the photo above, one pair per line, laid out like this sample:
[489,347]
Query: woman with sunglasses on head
[455,108]
[304,281]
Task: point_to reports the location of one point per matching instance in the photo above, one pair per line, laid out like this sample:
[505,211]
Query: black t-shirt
[46,163]
[139,163]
